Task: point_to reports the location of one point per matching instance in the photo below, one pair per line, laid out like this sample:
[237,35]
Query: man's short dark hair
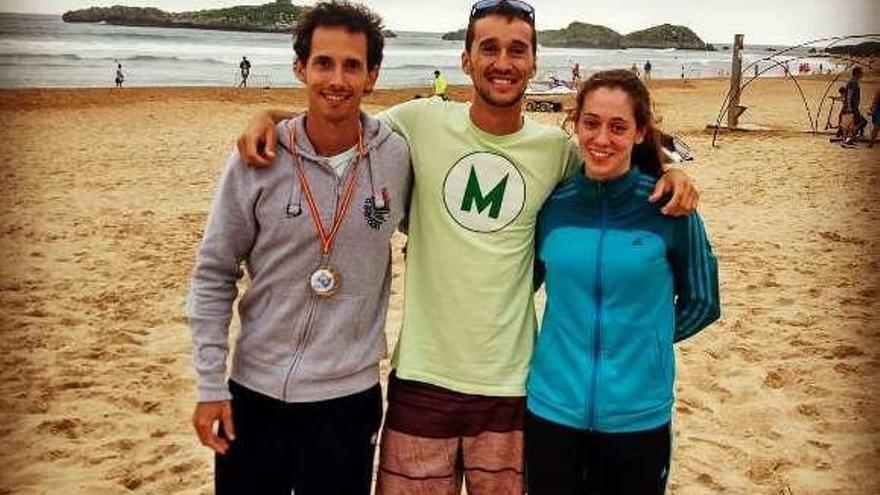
[507,11]
[355,18]
[857,71]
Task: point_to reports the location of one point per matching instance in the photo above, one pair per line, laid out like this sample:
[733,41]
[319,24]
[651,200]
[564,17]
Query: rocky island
[583,35]
[864,49]
[276,17]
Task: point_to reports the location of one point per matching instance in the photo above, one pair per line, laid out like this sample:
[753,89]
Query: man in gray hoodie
[302,407]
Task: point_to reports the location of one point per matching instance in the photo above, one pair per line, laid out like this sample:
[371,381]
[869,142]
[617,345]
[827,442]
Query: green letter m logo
[473,194]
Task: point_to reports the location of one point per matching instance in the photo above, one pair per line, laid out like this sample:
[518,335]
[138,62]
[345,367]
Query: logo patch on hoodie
[376,214]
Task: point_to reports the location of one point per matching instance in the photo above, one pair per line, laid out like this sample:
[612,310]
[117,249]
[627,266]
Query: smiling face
[336,74]
[607,132]
[500,61]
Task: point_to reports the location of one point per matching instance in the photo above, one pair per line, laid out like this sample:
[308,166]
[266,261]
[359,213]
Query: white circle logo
[484,192]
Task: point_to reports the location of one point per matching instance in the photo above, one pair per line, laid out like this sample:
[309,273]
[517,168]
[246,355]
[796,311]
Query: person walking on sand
[440,86]
[244,68]
[120,77]
[647,70]
[623,283]
[481,172]
[302,407]
[575,74]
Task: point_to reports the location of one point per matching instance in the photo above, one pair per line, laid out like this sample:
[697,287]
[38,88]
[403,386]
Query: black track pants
[567,461]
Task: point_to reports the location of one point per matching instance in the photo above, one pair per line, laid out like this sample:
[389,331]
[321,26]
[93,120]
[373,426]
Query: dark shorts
[435,439]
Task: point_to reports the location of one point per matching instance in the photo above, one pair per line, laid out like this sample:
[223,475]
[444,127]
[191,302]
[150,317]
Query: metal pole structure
[735,110]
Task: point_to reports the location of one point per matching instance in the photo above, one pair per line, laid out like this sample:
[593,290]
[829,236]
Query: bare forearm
[279,115]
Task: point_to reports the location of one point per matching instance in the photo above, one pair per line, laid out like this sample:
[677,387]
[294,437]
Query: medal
[325,281]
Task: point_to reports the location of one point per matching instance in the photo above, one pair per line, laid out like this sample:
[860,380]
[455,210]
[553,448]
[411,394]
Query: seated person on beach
[302,407]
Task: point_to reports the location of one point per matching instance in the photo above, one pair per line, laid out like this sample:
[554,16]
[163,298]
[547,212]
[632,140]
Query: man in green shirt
[482,172]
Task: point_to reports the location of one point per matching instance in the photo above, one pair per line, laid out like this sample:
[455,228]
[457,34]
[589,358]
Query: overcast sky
[762,21]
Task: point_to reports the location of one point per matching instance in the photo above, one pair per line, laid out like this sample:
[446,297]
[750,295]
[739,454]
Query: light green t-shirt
[468,317]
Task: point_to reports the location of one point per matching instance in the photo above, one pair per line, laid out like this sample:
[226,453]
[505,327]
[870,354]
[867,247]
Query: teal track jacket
[623,283]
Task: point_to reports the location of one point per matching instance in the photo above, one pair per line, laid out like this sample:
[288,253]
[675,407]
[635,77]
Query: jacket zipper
[300,349]
[597,333]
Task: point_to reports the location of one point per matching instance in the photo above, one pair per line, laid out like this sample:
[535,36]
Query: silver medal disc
[325,282]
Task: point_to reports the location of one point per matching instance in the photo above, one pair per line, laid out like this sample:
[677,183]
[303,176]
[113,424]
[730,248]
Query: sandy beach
[105,194]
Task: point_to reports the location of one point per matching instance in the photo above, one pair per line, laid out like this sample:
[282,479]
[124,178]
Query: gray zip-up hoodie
[294,346]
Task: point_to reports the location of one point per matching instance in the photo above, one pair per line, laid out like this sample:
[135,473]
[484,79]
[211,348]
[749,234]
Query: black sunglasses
[519,5]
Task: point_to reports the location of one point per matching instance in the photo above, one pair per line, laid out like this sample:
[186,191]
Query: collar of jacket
[612,189]
[374,134]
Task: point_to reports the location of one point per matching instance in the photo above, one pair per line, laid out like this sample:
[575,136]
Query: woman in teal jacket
[623,283]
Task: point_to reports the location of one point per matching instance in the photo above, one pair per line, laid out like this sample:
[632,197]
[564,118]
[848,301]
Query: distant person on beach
[634,69]
[647,70]
[575,74]
[120,77]
[481,172]
[302,407]
[440,85]
[245,68]
[852,121]
[875,118]
[623,283]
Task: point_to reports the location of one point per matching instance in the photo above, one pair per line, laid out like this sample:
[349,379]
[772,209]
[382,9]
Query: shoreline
[62,97]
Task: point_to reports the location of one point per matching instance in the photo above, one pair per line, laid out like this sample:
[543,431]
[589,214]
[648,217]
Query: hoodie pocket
[340,342]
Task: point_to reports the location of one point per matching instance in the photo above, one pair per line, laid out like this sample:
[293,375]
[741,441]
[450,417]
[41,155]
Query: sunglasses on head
[518,5]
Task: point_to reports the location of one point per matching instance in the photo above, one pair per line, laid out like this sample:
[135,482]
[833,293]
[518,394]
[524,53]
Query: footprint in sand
[776,379]
[709,482]
[845,351]
[847,369]
[68,427]
[809,410]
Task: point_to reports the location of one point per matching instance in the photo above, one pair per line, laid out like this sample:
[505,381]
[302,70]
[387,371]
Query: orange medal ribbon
[325,280]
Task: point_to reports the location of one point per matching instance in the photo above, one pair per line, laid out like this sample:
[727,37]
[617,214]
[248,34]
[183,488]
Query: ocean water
[44,51]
